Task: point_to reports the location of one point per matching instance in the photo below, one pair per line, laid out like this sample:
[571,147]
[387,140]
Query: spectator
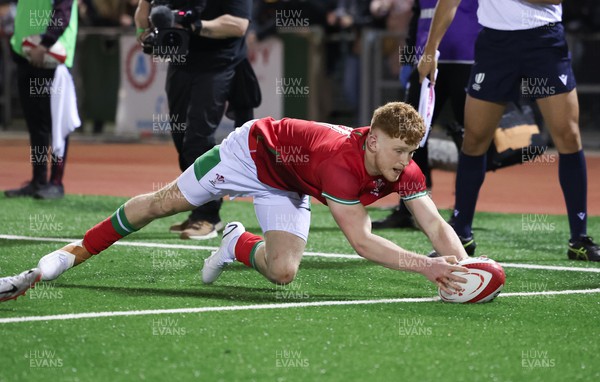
[106,13]
[54,21]
[350,17]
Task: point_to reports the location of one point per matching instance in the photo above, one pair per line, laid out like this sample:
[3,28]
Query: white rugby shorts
[228,169]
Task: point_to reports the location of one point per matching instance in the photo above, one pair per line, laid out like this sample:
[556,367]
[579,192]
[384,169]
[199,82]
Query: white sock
[55,264]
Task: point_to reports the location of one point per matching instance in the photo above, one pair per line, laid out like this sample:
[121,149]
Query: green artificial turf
[529,338]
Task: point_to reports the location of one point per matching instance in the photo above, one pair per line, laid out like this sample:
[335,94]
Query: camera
[165,40]
[169,43]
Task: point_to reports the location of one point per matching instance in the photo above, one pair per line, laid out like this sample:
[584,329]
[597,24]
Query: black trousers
[34,93]
[197,101]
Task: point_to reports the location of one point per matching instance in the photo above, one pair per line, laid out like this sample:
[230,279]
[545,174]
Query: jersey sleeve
[339,184]
[239,8]
[412,183]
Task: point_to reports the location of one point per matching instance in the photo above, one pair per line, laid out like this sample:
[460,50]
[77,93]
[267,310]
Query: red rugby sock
[246,247]
[105,233]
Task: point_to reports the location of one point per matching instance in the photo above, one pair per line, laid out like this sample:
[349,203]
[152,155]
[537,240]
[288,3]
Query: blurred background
[332,61]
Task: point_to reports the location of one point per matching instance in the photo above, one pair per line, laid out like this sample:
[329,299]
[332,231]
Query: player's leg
[278,260]
[549,74]
[136,213]
[200,183]
[481,119]
[284,219]
[192,188]
[494,81]
[277,256]
[133,215]
[561,115]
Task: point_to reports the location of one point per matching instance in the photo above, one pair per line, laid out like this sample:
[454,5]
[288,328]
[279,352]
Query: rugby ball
[485,281]
[56,55]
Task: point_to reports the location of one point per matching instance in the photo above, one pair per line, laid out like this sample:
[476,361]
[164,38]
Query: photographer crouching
[203,41]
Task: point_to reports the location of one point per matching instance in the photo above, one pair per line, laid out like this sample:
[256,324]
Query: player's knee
[283,275]
[473,149]
[475,144]
[568,140]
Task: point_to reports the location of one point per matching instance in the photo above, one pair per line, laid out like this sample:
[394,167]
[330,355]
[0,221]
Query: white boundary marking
[76,316]
[314,254]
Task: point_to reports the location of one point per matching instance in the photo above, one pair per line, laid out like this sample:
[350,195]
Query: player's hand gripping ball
[485,281]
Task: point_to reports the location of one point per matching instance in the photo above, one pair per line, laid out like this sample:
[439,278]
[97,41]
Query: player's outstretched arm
[356,225]
[442,236]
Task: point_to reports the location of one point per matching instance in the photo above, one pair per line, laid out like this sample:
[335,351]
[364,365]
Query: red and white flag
[427,102]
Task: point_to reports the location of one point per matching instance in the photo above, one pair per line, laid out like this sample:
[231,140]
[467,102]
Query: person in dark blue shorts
[520,52]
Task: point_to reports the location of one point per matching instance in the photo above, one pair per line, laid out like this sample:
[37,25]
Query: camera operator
[198,87]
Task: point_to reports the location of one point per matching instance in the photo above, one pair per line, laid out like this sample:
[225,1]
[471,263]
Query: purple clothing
[61,10]
[458,45]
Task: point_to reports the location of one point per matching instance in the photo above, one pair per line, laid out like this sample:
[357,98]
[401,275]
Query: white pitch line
[77,316]
[550,267]
[125,243]
[312,254]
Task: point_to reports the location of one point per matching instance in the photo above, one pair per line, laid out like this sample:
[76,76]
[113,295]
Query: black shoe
[468,243]
[50,191]
[395,220]
[584,249]
[27,190]
[451,221]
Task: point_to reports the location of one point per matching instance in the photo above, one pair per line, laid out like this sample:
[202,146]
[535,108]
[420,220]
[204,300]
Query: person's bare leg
[139,211]
[481,120]
[561,116]
[279,258]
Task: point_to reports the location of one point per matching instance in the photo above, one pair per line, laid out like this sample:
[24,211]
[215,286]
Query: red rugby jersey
[325,161]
